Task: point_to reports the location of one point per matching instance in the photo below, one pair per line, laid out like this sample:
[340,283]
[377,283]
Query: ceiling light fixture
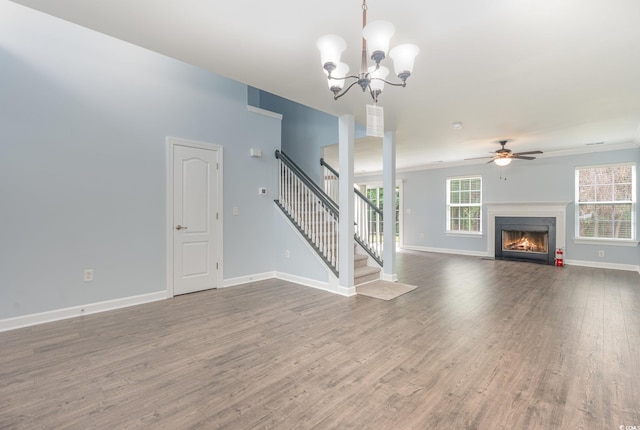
[375,41]
[502,161]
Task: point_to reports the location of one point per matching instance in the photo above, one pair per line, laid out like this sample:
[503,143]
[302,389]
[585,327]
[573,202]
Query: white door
[195,219]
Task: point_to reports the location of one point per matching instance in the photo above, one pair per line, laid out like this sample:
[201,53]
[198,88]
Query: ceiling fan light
[378,36]
[331,48]
[502,161]
[404,57]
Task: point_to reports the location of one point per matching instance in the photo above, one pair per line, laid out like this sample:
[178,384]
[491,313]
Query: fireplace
[525,239]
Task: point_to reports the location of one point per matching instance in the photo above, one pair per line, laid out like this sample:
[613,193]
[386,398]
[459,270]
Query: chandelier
[376,37]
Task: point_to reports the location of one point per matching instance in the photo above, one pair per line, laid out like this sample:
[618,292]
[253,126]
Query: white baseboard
[76,311]
[598,265]
[232,282]
[446,251]
[389,277]
[331,287]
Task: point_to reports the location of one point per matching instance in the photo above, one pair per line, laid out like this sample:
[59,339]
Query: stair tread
[366,270]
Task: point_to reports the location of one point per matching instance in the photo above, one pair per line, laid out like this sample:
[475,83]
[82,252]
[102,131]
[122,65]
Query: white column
[389,201]
[346,133]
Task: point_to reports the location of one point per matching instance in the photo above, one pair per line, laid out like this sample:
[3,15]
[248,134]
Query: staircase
[315,215]
[362,272]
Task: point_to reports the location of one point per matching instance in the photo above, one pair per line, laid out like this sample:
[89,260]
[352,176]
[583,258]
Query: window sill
[463,234]
[601,241]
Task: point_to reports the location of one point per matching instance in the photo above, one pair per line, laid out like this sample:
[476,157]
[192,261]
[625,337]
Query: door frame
[172,142]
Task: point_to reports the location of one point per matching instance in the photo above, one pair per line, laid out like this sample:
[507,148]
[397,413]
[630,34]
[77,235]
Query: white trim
[76,311]
[598,265]
[604,241]
[562,153]
[476,235]
[232,282]
[446,251]
[557,210]
[629,242]
[331,286]
[177,141]
[388,277]
[449,205]
[597,166]
[264,112]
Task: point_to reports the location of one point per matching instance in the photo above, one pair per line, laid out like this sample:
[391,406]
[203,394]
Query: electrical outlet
[88,275]
[600,253]
[287,253]
[235,210]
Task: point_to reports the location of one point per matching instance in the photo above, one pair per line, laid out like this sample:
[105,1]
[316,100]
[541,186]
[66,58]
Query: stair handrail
[373,249]
[355,190]
[310,210]
[317,190]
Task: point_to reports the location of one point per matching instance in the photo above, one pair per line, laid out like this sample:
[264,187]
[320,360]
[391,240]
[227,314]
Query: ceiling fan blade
[477,158]
[522,157]
[528,153]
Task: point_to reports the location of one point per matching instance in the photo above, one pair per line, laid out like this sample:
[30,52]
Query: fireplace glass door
[525,241]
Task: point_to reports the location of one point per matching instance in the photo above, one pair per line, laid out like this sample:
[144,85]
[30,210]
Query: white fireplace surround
[557,210]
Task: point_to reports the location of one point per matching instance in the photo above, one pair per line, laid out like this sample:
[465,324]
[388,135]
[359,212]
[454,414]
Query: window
[606,202]
[464,205]
[376,195]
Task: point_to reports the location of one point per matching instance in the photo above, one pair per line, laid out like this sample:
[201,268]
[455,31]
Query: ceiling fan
[503,156]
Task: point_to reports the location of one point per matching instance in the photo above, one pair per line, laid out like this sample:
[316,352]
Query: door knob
[180,227]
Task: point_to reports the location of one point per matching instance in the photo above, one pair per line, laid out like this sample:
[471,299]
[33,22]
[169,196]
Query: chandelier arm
[395,84]
[345,78]
[345,91]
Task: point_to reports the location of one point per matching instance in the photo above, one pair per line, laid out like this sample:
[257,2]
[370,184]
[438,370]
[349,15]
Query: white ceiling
[552,75]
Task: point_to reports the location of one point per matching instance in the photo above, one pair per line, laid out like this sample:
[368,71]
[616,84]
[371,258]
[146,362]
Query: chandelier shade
[331,48]
[403,57]
[341,70]
[378,35]
[376,38]
[378,77]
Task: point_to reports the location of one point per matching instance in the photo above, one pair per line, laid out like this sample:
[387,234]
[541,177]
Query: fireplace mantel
[527,209]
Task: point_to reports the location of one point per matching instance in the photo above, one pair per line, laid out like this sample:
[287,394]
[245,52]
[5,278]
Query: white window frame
[449,205]
[606,240]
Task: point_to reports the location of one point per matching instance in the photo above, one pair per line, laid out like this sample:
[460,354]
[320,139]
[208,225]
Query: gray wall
[542,180]
[304,131]
[83,123]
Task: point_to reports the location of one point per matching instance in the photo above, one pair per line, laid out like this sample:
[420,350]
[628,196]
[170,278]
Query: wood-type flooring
[480,344]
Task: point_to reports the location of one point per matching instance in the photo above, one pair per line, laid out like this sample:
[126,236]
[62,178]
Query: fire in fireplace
[525,241]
